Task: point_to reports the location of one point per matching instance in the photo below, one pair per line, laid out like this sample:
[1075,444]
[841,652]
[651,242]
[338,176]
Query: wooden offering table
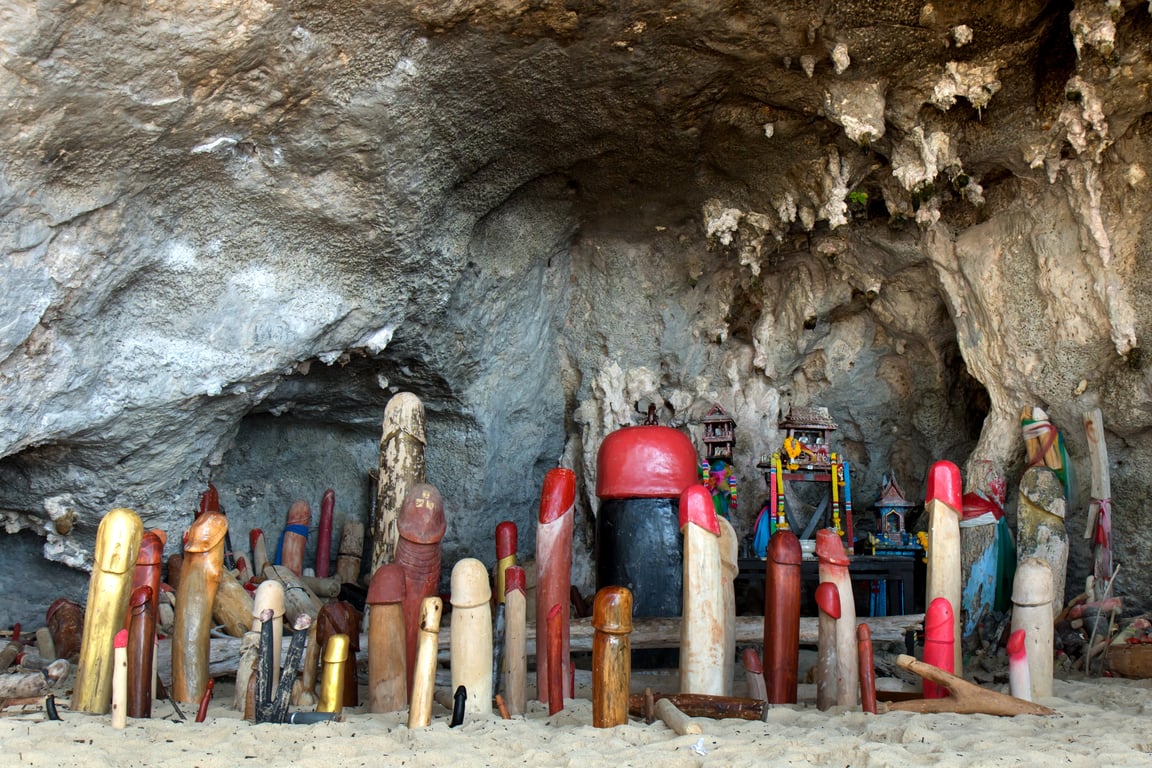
[896,572]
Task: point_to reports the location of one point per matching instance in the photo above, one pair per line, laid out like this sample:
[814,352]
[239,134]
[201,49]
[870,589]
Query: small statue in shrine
[718,478]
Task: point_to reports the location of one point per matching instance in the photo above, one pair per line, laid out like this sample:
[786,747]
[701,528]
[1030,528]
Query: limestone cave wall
[231,232]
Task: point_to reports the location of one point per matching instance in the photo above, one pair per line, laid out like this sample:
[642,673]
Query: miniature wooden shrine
[891,537]
[806,439]
[719,434]
[806,456]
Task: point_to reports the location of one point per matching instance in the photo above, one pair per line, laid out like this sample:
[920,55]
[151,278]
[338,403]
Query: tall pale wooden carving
[402,444]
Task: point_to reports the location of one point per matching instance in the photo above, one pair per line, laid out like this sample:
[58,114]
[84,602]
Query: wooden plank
[224,653]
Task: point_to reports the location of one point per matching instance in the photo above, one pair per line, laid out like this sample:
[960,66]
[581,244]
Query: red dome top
[645,462]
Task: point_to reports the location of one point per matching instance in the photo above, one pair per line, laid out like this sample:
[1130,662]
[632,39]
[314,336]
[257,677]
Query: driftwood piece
[329,587]
[675,719]
[232,606]
[298,598]
[963,697]
[23,685]
[704,705]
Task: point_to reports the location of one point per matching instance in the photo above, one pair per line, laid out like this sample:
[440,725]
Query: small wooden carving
[387,665]
[424,679]
[611,656]
[471,634]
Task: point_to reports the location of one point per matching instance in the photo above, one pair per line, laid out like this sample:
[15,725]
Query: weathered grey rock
[230,233]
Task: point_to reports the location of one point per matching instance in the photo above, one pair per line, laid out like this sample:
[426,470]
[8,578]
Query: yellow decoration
[792,449]
[922,537]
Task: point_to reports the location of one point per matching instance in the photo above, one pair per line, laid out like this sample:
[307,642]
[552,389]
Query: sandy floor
[1101,723]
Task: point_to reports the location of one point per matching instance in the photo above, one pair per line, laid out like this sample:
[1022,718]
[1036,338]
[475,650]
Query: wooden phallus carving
[141,652]
[554,569]
[421,526]
[611,656]
[782,617]
[117,546]
[702,629]
[471,634]
[294,539]
[387,662]
[944,505]
[833,568]
[199,578]
[341,618]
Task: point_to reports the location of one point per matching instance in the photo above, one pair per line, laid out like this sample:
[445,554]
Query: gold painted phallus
[117,545]
[332,676]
